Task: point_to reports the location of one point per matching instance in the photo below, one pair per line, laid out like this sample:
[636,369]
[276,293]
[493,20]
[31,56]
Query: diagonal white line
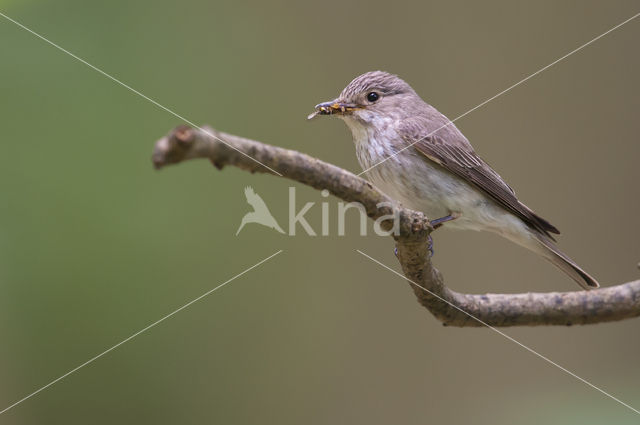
[531,350]
[114,79]
[577,49]
[138,333]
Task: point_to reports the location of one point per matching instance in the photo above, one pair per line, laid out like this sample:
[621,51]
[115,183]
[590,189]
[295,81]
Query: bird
[260,213]
[416,155]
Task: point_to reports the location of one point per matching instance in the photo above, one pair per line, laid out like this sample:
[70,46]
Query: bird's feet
[434,225]
[440,221]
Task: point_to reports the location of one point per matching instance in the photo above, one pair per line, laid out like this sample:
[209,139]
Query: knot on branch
[414,226]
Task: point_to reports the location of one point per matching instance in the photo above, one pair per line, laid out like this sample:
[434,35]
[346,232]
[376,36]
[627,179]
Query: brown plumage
[416,155]
[465,163]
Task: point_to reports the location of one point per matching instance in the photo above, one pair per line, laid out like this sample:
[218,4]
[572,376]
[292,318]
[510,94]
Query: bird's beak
[333,107]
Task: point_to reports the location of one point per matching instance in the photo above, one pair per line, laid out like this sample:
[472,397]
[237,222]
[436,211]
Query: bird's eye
[372,97]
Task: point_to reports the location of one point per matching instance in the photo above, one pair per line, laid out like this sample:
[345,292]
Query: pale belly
[424,186]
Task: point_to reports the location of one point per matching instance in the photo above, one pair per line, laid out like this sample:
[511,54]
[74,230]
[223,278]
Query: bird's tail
[559,259]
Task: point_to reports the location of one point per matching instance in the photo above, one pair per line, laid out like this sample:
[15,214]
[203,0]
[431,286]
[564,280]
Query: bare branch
[530,309]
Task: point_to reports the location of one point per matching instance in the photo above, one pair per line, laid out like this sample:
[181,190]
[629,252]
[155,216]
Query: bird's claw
[440,221]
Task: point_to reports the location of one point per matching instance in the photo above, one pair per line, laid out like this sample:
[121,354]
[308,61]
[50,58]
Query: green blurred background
[95,244]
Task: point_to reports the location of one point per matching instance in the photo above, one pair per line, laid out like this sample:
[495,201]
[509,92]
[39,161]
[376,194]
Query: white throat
[371,140]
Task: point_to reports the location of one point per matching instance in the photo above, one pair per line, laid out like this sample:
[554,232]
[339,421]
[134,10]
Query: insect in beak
[332,107]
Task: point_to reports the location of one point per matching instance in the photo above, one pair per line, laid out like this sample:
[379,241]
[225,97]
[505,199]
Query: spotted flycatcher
[414,154]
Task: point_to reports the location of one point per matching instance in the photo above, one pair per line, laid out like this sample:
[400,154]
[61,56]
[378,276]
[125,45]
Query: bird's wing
[461,160]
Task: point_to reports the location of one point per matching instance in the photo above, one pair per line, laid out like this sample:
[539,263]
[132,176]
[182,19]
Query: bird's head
[371,98]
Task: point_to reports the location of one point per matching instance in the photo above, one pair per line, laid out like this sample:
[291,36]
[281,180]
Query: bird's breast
[407,176]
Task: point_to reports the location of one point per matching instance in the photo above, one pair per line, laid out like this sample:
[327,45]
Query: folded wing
[460,159]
